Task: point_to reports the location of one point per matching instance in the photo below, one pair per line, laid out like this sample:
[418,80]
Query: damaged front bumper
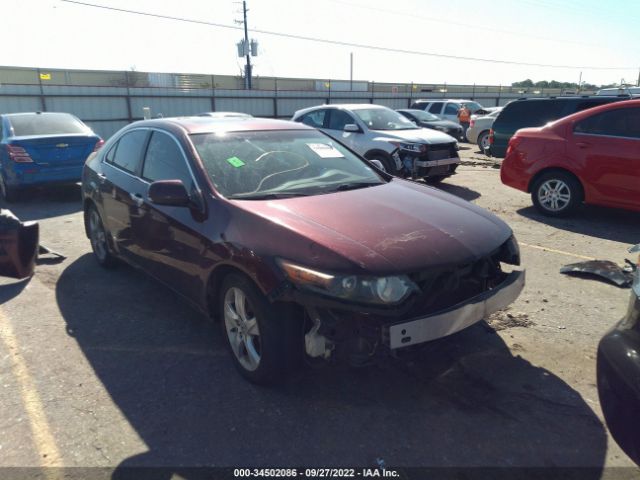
[458,317]
[358,335]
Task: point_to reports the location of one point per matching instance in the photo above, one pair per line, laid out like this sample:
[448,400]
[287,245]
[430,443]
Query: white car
[446,109]
[391,141]
[478,131]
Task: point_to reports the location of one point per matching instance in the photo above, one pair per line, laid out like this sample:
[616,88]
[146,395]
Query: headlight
[361,289]
[410,147]
[510,251]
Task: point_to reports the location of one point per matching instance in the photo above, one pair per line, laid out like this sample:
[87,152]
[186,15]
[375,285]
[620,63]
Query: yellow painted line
[43,439]
[156,350]
[553,250]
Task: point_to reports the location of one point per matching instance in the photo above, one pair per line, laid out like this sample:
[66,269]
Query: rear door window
[534,113]
[338,119]
[315,119]
[46,124]
[624,122]
[436,107]
[451,109]
[128,153]
[164,161]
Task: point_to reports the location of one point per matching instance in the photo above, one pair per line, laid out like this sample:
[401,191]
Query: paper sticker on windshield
[235,162]
[325,151]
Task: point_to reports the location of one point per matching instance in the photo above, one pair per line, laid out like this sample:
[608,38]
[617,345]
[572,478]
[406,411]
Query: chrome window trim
[606,136]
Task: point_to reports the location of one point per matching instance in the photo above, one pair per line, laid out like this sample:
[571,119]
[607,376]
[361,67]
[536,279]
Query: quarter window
[164,161]
[436,107]
[315,119]
[128,152]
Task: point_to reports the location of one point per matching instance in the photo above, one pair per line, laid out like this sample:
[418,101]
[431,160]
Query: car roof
[23,114]
[411,110]
[224,124]
[601,108]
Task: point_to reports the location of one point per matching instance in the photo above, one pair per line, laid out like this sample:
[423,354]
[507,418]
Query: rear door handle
[583,145]
[137,199]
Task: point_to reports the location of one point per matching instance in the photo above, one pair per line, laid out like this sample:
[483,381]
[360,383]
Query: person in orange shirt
[464,117]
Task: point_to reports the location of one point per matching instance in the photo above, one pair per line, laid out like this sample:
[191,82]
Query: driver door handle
[583,145]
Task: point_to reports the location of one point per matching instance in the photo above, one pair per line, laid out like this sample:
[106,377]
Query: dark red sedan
[591,157]
[298,246]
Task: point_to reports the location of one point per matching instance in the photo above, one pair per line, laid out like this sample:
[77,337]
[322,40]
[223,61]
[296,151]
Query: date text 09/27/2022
[315,473]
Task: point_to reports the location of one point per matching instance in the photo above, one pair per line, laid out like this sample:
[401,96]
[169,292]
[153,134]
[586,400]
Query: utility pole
[351,71]
[638,82]
[246,48]
[247,70]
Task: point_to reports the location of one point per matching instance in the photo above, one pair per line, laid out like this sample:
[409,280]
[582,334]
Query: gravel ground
[108,368]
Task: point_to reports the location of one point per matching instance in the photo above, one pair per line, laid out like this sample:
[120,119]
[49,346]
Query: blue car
[42,148]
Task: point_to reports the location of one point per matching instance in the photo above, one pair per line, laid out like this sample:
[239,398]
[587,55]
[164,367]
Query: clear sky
[588,33]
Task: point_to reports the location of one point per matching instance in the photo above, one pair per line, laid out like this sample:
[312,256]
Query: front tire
[98,238]
[387,164]
[556,194]
[435,179]
[259,335]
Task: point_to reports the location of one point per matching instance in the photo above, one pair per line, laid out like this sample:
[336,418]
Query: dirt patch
[504,319]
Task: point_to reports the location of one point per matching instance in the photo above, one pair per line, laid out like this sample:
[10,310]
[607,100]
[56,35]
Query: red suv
[592,156]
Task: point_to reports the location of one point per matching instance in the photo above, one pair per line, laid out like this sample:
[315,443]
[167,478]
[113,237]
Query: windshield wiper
[266,196]
[353,186]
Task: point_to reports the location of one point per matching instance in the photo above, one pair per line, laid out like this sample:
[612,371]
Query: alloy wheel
[554,195]
[242,328]
[98,235]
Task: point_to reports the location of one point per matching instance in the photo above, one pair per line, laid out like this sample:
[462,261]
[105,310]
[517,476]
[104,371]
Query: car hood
[396,227]
[417,135]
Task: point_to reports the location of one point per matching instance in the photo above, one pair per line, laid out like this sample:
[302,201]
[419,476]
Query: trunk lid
[57,150]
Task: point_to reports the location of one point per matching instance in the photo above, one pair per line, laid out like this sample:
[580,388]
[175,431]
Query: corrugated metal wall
[109,100]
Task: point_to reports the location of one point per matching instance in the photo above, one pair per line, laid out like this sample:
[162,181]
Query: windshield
[384,119]
[473,106]
[45,124]
[424,116]
[280,163]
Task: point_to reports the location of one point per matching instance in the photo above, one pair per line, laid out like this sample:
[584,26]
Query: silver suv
[446,109]
[385,137]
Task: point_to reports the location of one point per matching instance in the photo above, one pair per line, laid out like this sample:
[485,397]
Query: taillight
[491,136]
[98,145]
[472,122]
[18,154]
[513,144]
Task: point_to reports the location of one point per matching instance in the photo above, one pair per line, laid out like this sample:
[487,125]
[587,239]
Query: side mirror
[169,192]
[352,127]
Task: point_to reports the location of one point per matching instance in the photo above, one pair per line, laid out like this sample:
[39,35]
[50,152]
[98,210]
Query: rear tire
[260,335]
[9,193]
[483,141]
[556,194]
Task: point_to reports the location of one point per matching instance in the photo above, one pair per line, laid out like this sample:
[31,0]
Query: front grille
[446,287]
[441,151]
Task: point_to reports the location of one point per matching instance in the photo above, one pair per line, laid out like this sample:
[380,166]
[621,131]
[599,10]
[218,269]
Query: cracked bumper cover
[458,317]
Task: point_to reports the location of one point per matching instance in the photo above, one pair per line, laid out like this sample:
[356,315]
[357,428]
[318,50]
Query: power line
[350,44]
[482,28]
